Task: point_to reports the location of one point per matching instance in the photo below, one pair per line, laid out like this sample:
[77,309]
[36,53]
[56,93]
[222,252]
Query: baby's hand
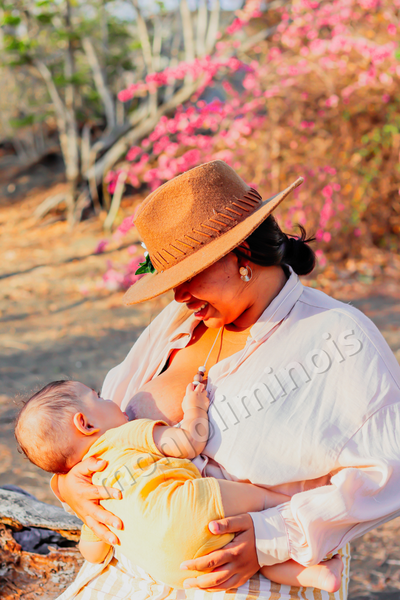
[195,397]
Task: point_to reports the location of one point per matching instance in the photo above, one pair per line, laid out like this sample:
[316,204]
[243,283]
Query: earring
[245,273]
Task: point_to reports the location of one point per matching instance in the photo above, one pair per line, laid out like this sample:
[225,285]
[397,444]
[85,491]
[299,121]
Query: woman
[305,392]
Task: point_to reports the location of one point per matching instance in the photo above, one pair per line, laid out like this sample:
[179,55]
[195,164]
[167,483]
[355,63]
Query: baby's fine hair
[42,426]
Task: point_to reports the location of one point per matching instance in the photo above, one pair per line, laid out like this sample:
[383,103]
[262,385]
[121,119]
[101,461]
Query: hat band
[220,222]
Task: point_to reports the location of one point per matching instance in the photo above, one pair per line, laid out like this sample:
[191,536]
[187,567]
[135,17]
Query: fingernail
[116,524]
[117,495]
[213,527]
[186,585]
[111,539]
[183,566]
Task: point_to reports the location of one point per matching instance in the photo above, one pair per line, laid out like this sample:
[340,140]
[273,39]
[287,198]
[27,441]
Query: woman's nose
[182,293]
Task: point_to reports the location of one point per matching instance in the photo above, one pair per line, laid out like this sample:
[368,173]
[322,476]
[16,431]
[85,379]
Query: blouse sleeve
[363,494]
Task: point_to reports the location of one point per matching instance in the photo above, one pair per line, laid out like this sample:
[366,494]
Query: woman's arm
[190,438]
[363,494]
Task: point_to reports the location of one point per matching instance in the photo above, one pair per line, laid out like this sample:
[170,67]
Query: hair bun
[298,254]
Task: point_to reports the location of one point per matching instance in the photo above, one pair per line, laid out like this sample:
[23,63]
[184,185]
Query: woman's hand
[234,564]
[76,489]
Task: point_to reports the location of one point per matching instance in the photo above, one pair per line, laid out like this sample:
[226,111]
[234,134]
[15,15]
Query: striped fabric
[121,580]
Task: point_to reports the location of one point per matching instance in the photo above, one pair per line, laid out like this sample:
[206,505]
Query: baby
[166,505]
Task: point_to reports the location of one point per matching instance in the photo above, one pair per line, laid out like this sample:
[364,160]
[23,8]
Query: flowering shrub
[318,99]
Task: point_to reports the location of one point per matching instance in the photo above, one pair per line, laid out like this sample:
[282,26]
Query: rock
[31,576]
[19,511]
[38,526]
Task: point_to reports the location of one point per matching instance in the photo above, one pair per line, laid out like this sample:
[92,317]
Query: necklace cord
[212,347]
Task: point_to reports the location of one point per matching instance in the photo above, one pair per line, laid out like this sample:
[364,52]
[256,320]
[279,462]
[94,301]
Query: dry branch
[187,29]
[109,159]
[213,26]
[48,204]
[100,82]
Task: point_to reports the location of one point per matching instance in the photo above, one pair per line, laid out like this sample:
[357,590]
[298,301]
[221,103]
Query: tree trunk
[72,170]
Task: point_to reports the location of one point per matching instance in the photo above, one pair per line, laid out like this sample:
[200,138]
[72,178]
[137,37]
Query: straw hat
[192,221]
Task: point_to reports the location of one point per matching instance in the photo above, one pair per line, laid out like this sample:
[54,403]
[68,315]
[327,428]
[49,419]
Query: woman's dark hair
[270,246]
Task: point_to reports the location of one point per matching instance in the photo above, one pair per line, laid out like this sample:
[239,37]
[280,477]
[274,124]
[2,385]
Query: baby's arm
[91,547]
[94,552]
[190,438]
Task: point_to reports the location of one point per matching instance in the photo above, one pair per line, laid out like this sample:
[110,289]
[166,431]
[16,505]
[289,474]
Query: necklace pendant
[198,378]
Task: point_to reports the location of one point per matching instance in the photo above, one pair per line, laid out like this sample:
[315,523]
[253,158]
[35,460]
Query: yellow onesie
[166,505]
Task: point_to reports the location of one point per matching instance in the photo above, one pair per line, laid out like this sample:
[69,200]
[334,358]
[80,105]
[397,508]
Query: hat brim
[153,285]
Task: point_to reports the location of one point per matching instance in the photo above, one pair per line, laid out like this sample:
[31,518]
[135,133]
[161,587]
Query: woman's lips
[201,311]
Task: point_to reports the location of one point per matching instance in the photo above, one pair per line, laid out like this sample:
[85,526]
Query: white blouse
[314,395]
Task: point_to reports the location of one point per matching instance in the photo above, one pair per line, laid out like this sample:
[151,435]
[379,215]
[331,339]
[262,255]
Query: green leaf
[376,135]
[145,267]
[17,123]
[397,54]
[45,18]
[11,20]
[390,128]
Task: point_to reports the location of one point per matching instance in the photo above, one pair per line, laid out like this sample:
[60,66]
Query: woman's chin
[213,323]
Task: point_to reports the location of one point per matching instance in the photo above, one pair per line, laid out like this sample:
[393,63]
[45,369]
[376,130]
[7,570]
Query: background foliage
[277,90]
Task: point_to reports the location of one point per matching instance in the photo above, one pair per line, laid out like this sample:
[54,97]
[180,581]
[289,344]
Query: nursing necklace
[198,378]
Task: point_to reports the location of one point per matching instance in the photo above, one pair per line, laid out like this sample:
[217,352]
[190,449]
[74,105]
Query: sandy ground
[56,321]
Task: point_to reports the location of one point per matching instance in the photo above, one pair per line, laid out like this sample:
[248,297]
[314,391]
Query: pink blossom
[385,79]
[101,246]
[332,100]
[125,226]
[124,96]
[326,236]
[392,29]
[133,153]
[307,125]
[321,257]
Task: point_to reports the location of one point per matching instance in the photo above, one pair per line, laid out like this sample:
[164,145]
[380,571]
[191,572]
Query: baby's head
[58,424]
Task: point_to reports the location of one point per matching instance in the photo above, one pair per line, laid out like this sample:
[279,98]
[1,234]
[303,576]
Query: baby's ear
[83,425]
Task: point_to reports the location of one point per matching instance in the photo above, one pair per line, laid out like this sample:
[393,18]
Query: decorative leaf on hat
[146,266]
